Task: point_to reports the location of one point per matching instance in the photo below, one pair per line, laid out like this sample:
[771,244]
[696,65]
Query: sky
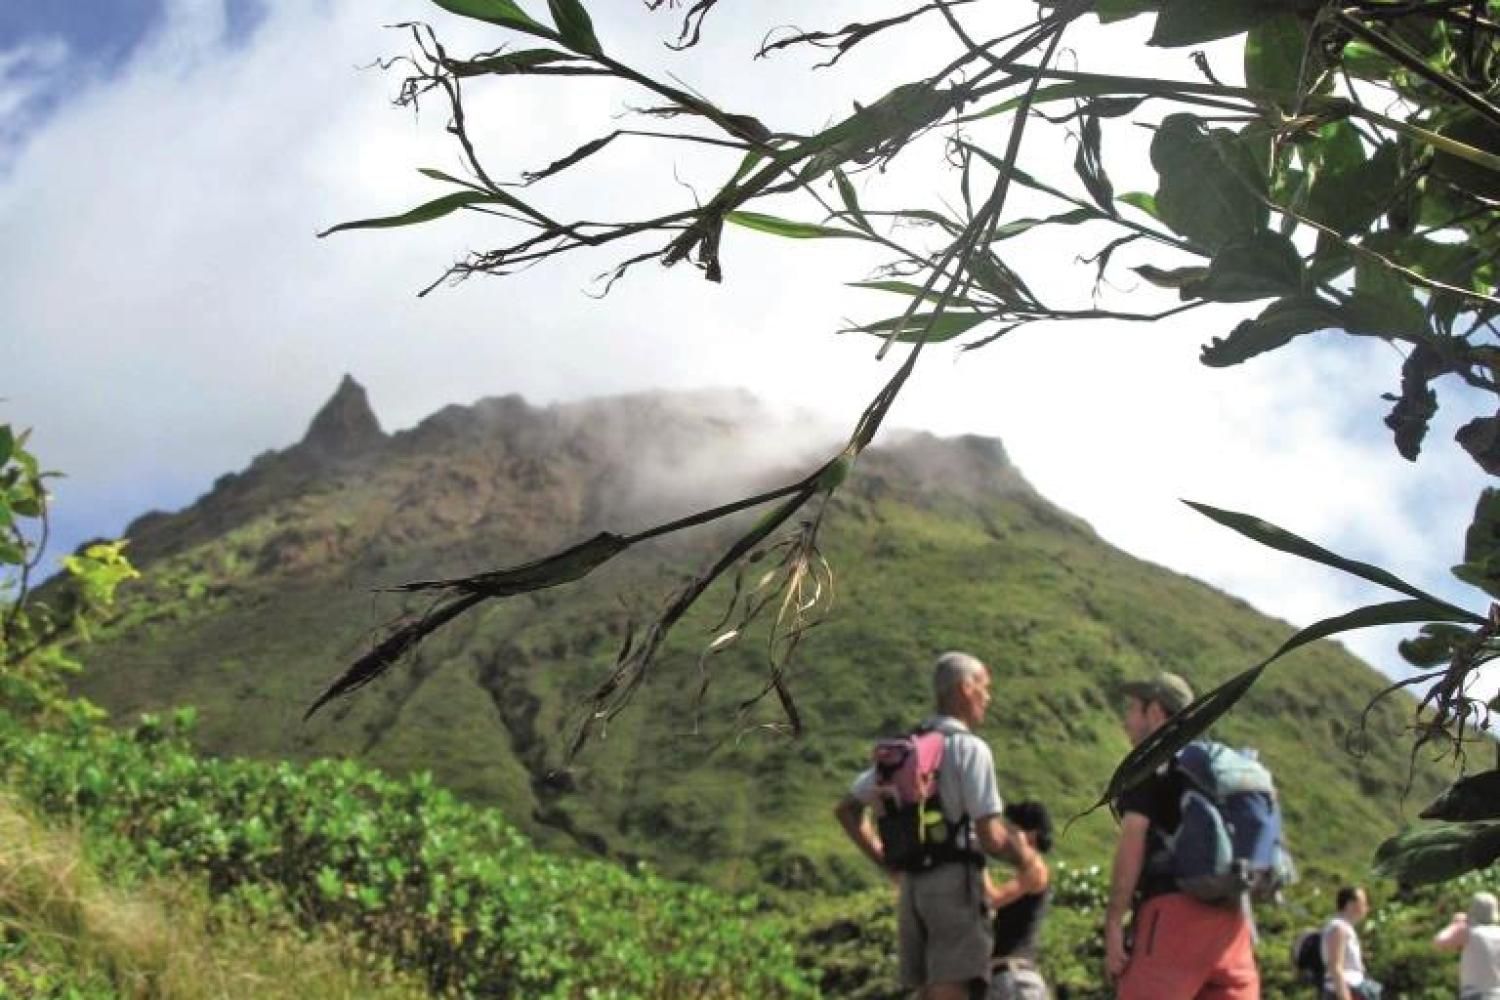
[166,312]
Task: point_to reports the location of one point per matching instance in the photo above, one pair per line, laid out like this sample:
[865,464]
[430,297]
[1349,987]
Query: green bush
[442,887]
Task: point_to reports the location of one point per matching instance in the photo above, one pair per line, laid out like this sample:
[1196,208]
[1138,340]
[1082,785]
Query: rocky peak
[345,426]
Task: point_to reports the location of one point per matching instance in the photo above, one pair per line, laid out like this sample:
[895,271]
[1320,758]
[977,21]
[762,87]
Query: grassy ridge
[255,595]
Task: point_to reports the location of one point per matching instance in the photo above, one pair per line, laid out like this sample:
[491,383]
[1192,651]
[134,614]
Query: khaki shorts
[944,927]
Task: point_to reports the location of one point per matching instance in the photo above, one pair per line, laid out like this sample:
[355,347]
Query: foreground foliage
[441,888]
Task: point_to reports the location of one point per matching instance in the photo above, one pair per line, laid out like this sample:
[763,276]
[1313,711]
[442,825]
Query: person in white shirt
[1343,960]
[1477,934]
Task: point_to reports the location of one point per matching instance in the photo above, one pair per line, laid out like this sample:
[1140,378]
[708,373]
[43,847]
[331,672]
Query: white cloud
[171,314]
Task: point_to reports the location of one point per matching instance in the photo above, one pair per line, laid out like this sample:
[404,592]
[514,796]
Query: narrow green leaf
[1282,540]
[786,227]
[1277,325]
[7,443]
[913,290]
[932,328]
[1072,217]
[850,198]
[505,13]
[435,209]
[516,63]
[1194,720]
[575,26]
[439,175]
[1177,277]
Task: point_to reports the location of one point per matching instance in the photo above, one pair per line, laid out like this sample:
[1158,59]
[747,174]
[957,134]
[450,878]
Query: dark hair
[1347,894]
[1034,818]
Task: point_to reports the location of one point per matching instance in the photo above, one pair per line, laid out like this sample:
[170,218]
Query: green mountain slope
[258,593]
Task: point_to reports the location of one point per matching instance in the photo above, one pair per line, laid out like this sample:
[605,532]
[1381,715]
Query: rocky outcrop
[346,426]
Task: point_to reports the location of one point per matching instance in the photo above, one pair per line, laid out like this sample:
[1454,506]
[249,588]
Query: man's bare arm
[855,819]
[1130,857]
[1337,939]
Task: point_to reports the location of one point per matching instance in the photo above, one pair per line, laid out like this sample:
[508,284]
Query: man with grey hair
[1477,935]
[943,920]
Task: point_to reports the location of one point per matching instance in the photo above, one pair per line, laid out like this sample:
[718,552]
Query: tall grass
[65,931]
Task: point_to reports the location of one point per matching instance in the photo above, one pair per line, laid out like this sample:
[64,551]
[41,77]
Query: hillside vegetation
[258,593]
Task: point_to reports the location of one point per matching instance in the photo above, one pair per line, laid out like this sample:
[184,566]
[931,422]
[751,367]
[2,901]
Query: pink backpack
[909,817]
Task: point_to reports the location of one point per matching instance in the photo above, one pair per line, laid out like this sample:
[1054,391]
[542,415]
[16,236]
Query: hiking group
[1198,839]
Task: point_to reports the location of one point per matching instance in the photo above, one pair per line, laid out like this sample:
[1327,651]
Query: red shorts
[1187,950]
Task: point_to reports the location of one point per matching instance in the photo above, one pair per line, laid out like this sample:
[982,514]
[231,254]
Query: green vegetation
[1345,177]
[939,544]
[446,891]
[68,932]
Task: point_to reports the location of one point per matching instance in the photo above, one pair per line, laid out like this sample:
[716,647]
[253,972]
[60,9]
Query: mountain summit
[260,592]
[346,425]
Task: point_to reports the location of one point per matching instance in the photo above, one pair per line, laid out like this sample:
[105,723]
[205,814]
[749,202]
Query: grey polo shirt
[966,781]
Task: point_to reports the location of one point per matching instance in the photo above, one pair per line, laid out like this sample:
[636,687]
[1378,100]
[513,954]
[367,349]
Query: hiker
[1019,912]
[944,933]
[1477,934]
[1344,975]
[1180,947]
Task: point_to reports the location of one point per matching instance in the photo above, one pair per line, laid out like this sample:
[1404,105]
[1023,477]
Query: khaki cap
[1167,689]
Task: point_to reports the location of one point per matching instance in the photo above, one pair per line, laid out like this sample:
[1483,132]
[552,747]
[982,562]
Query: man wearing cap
[943,923]
[1180,947]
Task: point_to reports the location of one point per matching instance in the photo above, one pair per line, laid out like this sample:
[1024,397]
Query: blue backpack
[1229,842]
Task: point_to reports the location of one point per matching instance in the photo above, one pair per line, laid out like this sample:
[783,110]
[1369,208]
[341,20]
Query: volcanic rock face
[345,426]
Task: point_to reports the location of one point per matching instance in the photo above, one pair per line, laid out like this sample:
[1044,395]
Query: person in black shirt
[1179,948]
[1019,912]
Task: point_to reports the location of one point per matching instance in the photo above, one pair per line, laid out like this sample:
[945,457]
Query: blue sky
[165,166]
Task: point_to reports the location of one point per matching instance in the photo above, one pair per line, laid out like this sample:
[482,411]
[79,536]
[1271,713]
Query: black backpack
[1307,956]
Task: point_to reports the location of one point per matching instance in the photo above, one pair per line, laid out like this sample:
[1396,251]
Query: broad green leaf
[505,13]
[1481,565]
[1383,305]
[1433,644]
[1277,325]
[1189,22]
[1274,56]
[1282,540]
[934,329]
[435,209]
[7,443]
[575,26]
[1143,200]
[776,226]
[1260,266]
[1211,187]
[1472,797]
[11,554]
[1363,60]
[1482,179]
[1346,189]
[1438,852]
